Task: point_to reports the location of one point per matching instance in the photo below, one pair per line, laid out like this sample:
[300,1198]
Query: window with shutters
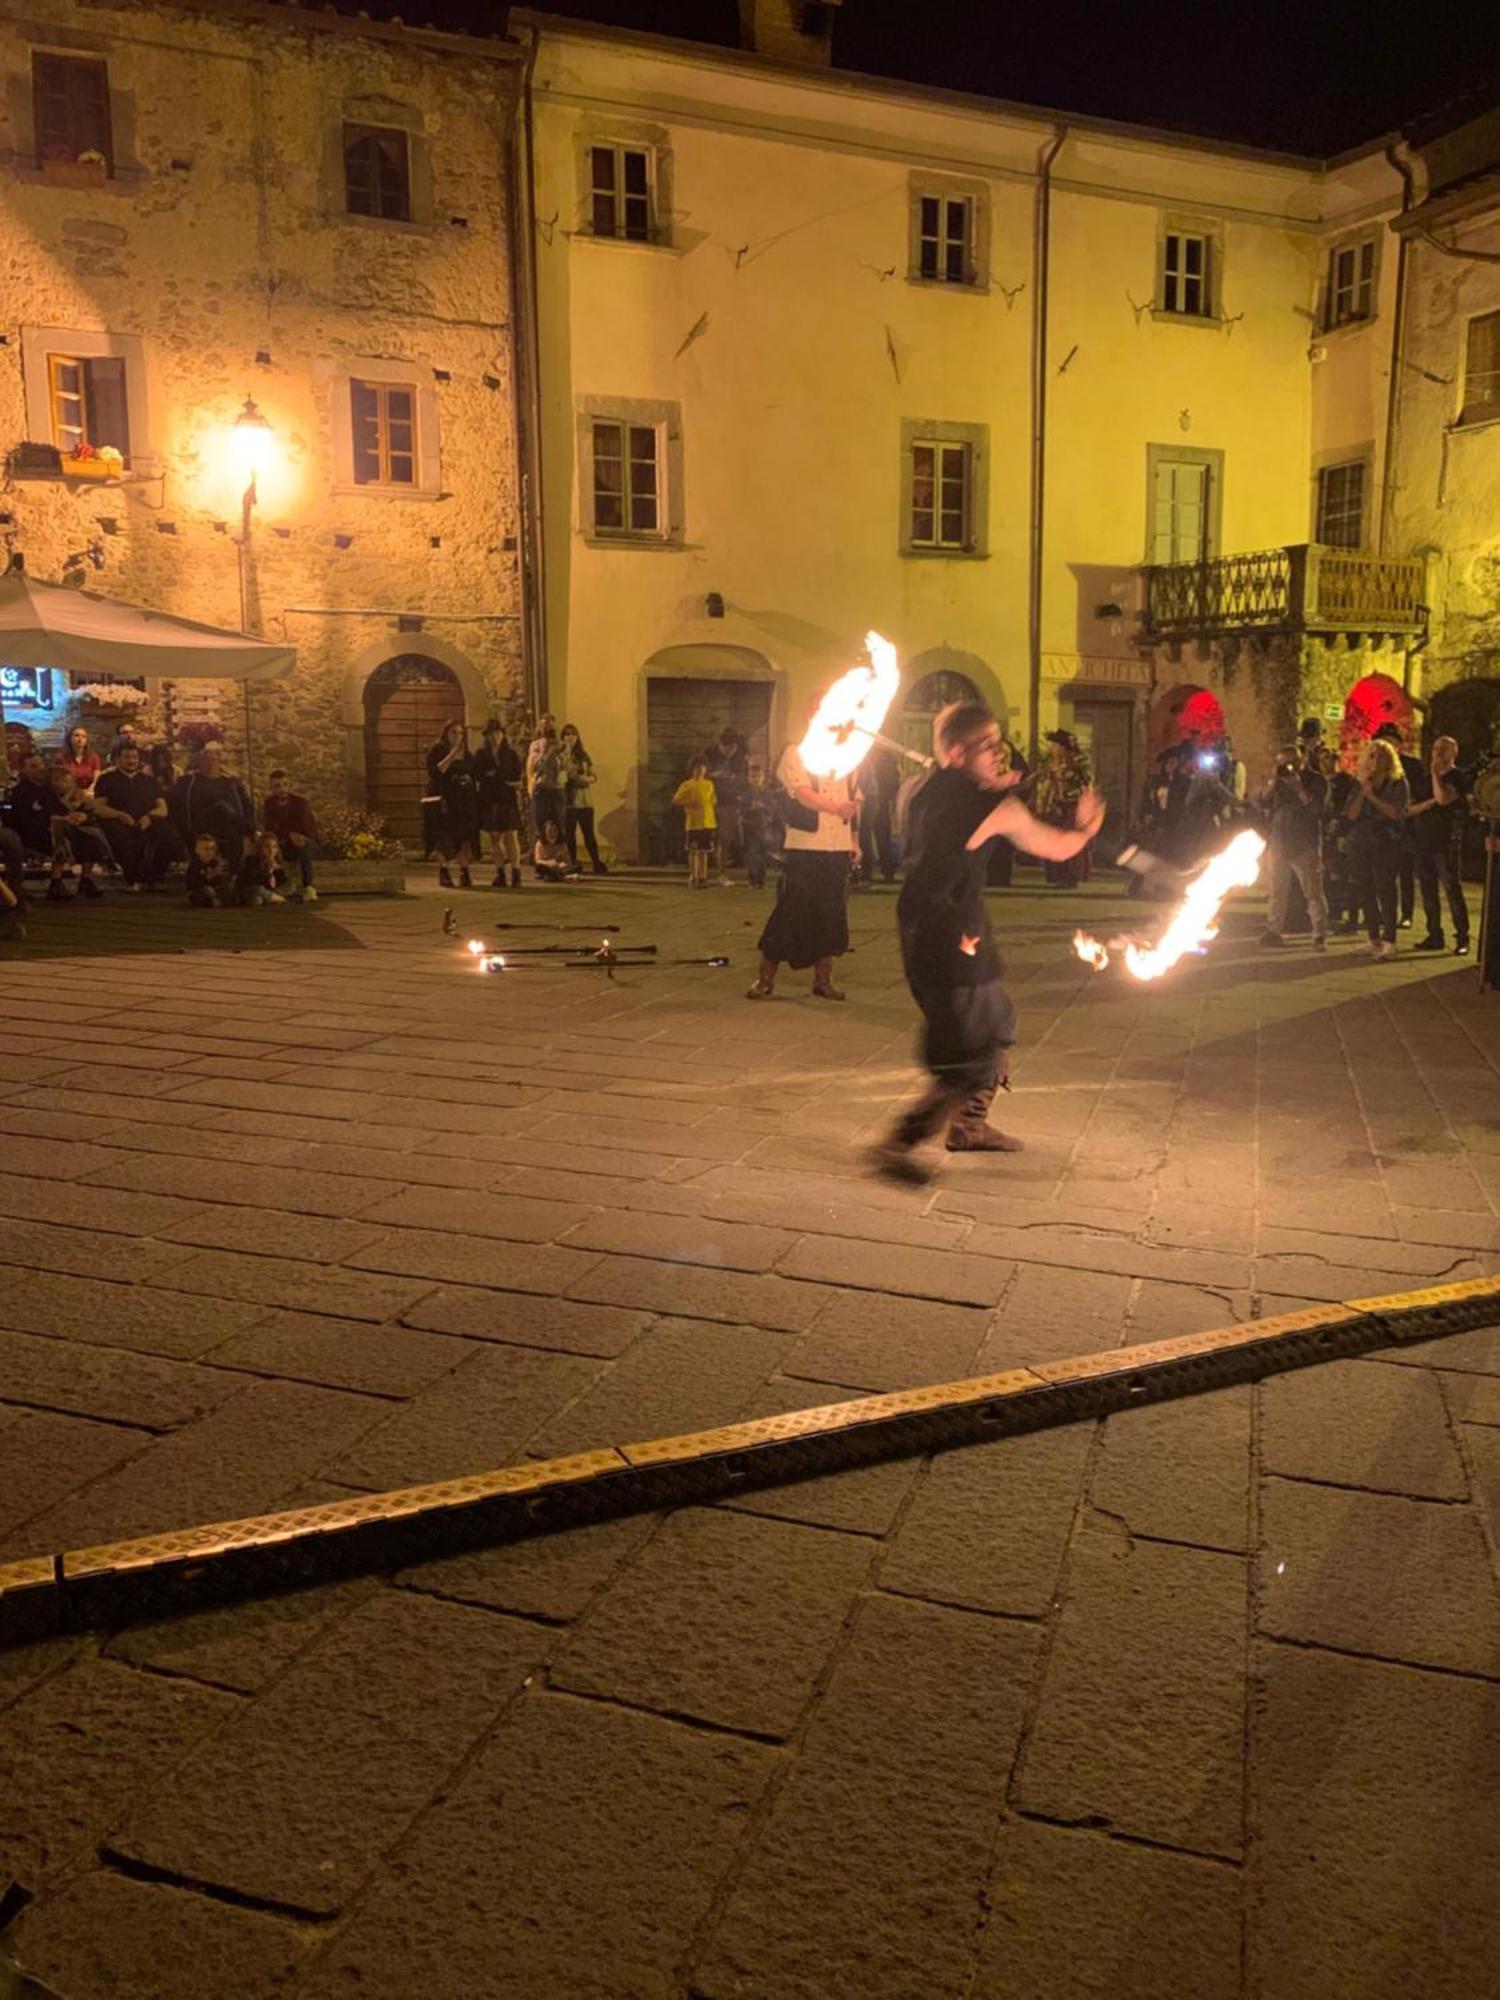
[620,199]
[943,488]
[1185,288]
[377,172]
[88,403]
[70,107]
[1481,404]
[383,416]
[1183,493]
[1341,505]
[1351,283]
[87,388]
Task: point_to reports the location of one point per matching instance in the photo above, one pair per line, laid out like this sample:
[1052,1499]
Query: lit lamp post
[252,443]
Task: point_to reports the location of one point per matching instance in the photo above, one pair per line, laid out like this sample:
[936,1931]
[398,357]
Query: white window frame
[400,374]
[634,492]
[1175,277]
[664,421]
[40,343]
[944,440]
[972,197]
[1350,298]
[1321,508]
[1211,457]
[620,150]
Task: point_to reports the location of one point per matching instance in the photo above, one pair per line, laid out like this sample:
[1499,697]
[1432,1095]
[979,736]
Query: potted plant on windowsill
[80,170]
[89,461]
[357,854]
[107,698]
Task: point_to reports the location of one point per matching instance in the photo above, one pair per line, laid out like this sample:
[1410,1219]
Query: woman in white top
[809,924]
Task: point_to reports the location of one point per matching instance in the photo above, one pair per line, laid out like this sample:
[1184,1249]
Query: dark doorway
[683,717]
[1468,711]
[407,701]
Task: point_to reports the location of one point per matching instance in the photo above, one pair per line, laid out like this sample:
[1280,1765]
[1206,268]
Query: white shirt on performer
[832,834]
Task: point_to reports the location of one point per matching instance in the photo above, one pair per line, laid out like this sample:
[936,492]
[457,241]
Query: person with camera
[1436,821]
[1293,804]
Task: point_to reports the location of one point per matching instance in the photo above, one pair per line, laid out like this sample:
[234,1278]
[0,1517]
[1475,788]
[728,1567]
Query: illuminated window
[1351,282]
[384,422]
[70,104]
[1341,505]
[1186,276]
[87,401]
[942,495]
[1482,370]
[627,478]
[377,172]
[945,238]
[620,192]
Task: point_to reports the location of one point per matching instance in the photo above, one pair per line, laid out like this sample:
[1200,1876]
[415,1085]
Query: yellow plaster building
[203,203]
[818,352]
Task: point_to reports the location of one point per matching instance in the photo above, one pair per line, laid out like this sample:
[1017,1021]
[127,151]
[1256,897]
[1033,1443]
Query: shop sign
[26,687]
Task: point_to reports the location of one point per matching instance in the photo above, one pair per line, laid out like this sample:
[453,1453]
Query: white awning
[49,625]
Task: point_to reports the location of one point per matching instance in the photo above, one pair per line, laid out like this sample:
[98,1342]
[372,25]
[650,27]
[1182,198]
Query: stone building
[1088,419]
[206,201]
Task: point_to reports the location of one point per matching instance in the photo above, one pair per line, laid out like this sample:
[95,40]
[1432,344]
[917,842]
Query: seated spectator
[210,883]
[209,800]
[262,879]
[126,733]
[158,761]
[288,815]
[133,809]
[550,858]
[81,758]
[76,835]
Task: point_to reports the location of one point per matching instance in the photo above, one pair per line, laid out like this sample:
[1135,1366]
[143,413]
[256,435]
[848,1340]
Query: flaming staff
[848,718]
[1193,925]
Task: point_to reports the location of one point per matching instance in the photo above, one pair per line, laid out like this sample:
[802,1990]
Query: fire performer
[809,923]
[952,967]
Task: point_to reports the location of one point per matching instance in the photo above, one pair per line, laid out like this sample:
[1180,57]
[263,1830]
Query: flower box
[90,468]
[360,878]
[76,173]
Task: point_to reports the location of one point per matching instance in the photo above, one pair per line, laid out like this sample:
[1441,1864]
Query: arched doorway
[927,698]
[407,700]
[1187,714]
[1372,702]
[1469,711]
[693,694]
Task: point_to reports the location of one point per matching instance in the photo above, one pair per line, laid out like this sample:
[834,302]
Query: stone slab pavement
[1198,1700]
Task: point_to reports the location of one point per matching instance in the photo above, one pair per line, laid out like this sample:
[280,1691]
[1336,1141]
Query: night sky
[1306,76]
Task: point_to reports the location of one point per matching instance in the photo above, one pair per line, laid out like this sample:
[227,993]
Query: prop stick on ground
[1193,924]
[624,964]
[450,926]
[849,716]
[562,950]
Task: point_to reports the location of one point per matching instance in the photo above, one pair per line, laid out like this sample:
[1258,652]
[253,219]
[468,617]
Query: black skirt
[810,918]
[499,809]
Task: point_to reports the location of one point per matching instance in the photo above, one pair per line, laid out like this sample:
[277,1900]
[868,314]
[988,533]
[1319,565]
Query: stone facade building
[205,203]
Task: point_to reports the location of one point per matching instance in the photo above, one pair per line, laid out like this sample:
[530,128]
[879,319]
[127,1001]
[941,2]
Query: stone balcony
[1304,588]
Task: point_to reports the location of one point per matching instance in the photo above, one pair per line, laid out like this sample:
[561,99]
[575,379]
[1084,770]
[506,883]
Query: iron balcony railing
[1306,587]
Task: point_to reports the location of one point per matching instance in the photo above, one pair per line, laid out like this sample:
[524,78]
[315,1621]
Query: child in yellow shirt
[698,800]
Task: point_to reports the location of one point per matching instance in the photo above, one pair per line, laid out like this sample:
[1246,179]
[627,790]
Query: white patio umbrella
[50,625]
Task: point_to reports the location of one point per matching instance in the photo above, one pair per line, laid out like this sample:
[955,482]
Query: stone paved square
[343,1214]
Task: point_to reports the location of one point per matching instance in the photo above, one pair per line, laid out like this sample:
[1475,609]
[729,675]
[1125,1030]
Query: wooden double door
[407,702]
[684,717]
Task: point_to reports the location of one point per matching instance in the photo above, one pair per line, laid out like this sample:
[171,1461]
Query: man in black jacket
[210,801]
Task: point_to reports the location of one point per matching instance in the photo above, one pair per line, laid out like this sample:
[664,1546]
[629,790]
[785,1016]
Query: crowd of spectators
[133,816]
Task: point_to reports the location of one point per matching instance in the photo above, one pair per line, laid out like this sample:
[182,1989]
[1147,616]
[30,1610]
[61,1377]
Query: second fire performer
[952,967]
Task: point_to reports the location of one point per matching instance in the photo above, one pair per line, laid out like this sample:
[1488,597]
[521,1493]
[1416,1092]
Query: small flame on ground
[1193,924]
[839,736]
[476,945]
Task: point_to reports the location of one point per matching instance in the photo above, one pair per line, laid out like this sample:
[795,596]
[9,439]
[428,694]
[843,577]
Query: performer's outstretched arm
[1034,836]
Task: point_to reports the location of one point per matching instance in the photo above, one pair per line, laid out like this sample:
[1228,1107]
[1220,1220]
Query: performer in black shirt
[952,967]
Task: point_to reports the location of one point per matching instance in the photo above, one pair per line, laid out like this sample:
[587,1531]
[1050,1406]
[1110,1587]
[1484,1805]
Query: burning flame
[1193,924]
[849,716]
[476,945]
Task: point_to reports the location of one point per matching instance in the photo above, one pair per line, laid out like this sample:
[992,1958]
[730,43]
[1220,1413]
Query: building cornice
[293,17]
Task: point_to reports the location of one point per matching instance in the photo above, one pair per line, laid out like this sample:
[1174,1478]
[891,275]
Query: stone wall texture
[221,245]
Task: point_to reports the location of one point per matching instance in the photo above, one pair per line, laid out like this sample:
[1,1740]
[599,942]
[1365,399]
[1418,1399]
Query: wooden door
[683,717]
[1104,730]
[407,702]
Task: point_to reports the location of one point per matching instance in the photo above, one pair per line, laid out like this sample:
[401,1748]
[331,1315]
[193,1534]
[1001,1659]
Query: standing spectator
[261,877]
[578,780]
[550,857]
[1294,804]
[699,802]
[1064,779]
[1418,787]
[497,773]
[1310,743]
[134,811]
[809,924]
[1378,812]
[877,782]
[289,816]
[453,822]
[211,800]
[1437,821]
[1340,888]
[544,778]
[755,825]
[81,758]
[728,762]
[76,834]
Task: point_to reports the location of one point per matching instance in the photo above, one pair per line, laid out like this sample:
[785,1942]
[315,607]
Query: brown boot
[970,1131]
[896,1153]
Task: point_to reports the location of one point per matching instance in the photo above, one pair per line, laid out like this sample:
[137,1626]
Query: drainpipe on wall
[1398,342]
[1040,257]
[527,401]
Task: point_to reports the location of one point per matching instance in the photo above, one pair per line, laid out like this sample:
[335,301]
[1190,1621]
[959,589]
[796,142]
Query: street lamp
[251,446]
